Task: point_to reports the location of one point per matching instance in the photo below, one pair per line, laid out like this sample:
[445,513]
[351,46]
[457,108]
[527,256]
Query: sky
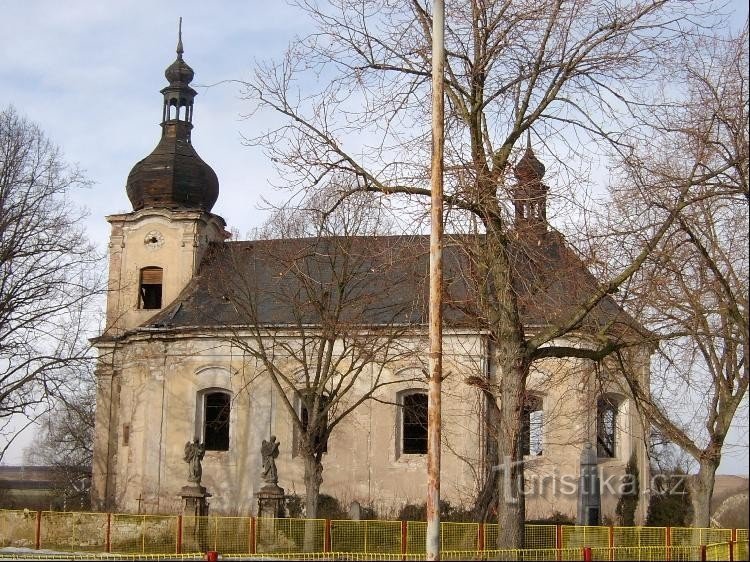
[89,74]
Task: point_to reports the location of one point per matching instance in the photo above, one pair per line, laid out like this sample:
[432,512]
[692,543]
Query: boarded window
[151,288]
[532,426]
[216,410]
[606,427]
[414,424]
[320,438]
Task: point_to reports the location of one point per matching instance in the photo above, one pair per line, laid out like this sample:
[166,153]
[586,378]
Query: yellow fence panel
[17,528]
[143,534]
[639,536]
[366,536]
[490,535]
[231,535]
[459,536]
[741,550]
[742,534]
[636,553]
[289,535]
[687,536]
[416,535]
[580,536]
[73,531]
[717,551]
[540,536]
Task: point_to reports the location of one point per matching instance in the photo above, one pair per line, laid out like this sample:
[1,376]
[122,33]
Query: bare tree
[693,289]
[66,436]
[573,73]
[48,273]
[324,309]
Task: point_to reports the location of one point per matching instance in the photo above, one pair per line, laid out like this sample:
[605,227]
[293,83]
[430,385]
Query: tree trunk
[313,480]
[701,490]
[512,368]
[511,507]
[484,506]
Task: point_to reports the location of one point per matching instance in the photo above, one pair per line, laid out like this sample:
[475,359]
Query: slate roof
[377,281]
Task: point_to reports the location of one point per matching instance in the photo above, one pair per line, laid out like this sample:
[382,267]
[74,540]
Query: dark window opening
[216,421]
[532,422]
[150,289]
[606,427]
[320,438]
[414,424]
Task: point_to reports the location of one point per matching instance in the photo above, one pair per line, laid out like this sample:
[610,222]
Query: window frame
[608,403]
[532,403]
[201,421]
[143,298]
[402,420]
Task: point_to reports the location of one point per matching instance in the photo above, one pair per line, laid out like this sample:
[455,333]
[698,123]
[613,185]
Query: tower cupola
[529,193]
[173,175]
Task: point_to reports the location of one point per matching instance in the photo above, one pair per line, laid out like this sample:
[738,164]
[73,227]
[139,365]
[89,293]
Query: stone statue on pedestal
[270,496]
[194,452]
[270,451]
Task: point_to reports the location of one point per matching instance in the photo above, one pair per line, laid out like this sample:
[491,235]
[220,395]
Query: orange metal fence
[155,535]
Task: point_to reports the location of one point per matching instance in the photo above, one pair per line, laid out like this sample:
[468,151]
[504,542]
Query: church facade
[174,363]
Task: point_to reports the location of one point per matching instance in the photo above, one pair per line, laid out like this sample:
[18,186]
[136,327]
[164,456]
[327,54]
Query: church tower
[156,249]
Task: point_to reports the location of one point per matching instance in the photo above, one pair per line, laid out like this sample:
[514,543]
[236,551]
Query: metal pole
[436,286]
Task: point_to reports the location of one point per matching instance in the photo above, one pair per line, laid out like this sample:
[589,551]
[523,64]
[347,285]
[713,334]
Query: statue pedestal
[270,501]
[195,506]
[194,500]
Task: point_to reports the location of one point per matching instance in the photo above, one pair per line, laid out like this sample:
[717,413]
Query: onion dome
[529,168]
[529,193]
[173,175]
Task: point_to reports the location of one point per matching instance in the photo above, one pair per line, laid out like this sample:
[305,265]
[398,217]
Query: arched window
[215,408]
[150,289]
[532,426]
[606,426]
[414,423]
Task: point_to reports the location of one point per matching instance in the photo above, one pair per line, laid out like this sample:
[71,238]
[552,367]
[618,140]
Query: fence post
[480,538]
[251,536]
[404,539]
[327,536]
[731,551]
[558,541]
[38,531]
[108,539]
[587,554]
[178,540]
[703,553]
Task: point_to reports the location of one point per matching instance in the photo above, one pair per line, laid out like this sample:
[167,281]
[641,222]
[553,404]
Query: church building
[188,307]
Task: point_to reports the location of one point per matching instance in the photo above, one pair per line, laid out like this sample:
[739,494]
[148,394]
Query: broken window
[414,424]
[532,426]
[606,427]
[150,288]
[216,410]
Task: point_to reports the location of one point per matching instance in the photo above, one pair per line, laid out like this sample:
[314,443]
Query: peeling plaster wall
[160,378]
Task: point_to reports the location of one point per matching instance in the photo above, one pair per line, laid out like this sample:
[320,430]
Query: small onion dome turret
[529,169]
